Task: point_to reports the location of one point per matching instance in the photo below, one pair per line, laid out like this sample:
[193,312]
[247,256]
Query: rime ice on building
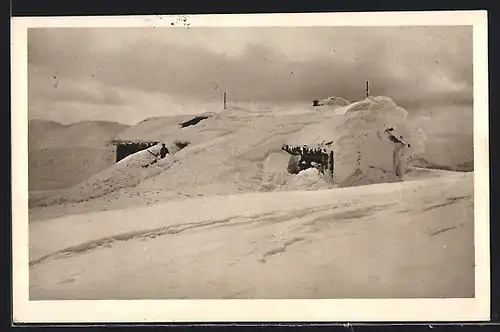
[364,142]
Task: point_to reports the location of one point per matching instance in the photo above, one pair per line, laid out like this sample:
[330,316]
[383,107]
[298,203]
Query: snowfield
[409,239]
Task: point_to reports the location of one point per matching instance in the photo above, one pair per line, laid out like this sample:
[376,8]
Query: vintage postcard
[238,168]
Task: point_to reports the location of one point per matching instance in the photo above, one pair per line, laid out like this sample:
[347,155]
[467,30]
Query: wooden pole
[225,100]
[367,89]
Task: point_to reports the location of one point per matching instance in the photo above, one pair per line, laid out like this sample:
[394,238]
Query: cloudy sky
[128,74]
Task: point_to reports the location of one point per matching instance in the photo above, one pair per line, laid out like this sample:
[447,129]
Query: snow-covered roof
[334,101]
[360,115]
[157,129]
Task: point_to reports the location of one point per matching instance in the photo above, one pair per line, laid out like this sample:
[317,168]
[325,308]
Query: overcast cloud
[126,75]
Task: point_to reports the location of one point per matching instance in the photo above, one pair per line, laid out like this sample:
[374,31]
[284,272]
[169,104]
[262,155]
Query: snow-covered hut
[174,131]
[365,142]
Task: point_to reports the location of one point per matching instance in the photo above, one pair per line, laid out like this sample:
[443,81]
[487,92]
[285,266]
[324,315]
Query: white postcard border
[141,311]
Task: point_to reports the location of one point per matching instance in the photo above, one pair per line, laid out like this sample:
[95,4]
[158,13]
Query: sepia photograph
[183,161]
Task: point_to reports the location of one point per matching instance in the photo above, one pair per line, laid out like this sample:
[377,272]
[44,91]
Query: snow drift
[276,176]
[411,239]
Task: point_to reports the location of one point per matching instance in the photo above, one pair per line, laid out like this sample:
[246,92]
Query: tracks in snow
[239,220]
[325,215]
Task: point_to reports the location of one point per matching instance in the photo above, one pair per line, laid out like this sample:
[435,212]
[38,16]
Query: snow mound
[334,101]
[308,179]
[277,178]
[274,171]
[275,163]
[379,108]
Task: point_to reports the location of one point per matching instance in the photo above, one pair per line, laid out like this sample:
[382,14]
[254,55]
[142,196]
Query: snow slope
[409,239]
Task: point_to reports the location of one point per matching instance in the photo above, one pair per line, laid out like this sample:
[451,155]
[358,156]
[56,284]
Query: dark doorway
[306,157]
[331,163]
[125,149]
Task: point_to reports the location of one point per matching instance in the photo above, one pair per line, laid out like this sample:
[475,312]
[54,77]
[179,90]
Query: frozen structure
[153,131]
[365,142]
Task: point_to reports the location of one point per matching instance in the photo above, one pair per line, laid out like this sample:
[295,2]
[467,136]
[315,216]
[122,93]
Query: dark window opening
[181,145]
[193,121]
[394,139]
